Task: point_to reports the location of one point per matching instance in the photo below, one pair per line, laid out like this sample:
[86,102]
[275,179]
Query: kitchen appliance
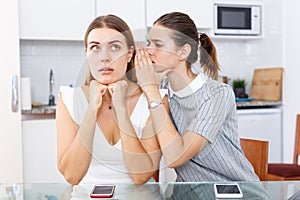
[237,19]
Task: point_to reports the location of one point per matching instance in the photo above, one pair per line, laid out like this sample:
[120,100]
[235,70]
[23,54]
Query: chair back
[256,151]
[297,140]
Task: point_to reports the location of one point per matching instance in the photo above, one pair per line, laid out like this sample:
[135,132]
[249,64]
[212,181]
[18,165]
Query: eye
[95,48]
[157,45]
[154,45]
[115,47]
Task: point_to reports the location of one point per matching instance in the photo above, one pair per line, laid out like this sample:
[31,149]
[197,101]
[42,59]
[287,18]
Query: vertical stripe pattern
[211,112]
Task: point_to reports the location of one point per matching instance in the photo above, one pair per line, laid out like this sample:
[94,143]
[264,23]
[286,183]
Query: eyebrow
[113,41]
[154,40]
[94,42]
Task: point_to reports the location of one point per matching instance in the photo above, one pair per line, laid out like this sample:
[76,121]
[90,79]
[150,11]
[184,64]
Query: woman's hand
[97,90]
[146,75]
[118,92]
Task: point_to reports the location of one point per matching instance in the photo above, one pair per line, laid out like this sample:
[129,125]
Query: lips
[108,69]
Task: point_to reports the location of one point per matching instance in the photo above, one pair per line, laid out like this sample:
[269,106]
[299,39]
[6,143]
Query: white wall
[239,58]
[38,57]
[291,79]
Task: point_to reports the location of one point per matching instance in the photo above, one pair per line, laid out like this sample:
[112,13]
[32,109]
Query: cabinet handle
[14,94]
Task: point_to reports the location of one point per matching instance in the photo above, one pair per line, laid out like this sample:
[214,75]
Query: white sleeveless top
[107,164]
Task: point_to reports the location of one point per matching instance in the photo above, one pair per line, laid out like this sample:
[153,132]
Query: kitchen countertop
[258,104]
[48,112]
[39,112]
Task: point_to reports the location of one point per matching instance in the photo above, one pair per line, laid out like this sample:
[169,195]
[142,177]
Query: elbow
[139,180]
[173,164]
[71,179]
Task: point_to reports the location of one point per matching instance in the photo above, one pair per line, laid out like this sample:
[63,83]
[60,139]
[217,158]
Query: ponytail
[208,57]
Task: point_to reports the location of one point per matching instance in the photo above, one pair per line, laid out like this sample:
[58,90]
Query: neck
[106,100]
[180,78]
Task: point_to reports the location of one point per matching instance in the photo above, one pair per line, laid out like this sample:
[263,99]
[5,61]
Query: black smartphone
[223,191]
[103,191]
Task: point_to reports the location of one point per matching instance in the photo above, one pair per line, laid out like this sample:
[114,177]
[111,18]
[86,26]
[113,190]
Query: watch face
[154,104]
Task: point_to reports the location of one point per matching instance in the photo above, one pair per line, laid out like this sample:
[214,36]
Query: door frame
[11,168]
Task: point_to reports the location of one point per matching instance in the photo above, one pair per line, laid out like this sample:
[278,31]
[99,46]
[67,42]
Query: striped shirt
[207,107]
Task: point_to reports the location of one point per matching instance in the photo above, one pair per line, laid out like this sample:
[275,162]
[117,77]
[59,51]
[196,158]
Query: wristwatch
[154,104]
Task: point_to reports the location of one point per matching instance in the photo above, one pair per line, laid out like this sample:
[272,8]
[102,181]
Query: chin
[160,69]
[104,81]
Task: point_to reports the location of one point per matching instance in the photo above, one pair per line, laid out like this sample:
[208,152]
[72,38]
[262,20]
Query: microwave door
[234,20]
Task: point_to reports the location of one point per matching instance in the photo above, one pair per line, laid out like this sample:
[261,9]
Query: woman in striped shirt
[204,143]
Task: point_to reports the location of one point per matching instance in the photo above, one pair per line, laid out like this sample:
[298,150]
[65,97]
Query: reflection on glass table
[278,190]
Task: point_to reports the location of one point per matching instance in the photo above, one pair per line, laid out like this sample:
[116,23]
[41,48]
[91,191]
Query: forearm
[172,144]
[141,163]
[75,161]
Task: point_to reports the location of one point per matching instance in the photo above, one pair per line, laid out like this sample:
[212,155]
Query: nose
[104,56]
[104,60]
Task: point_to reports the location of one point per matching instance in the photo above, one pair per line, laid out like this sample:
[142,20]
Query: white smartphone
[224,191]
[102,191]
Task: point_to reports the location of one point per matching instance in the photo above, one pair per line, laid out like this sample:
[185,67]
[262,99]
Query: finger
[100,88]
[136,63]
[140,58]
[111,90]
[143,57]
[147,56]
[112,87]
[103,91]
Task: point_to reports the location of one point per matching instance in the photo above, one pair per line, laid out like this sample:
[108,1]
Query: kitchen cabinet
[131,11]
[200,11]
[55,19]
[263,124]
[39,150]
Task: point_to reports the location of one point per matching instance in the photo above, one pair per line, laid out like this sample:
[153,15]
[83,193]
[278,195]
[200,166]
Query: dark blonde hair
[116,23]
[185,32]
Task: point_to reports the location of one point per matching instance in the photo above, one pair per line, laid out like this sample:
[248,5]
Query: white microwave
[237,19]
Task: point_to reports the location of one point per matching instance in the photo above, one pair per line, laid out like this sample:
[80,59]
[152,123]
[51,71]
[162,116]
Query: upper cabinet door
[55,19]
[201,11]
[131,11]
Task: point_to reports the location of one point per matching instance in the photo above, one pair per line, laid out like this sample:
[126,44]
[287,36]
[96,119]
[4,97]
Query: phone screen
[228,191]
[102,191]
[231,189]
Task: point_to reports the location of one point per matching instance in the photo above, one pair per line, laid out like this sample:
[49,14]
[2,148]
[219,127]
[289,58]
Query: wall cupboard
[131,11]
[55,19]
[68,19]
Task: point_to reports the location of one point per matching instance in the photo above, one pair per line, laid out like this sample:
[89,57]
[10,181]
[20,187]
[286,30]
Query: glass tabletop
[280,190]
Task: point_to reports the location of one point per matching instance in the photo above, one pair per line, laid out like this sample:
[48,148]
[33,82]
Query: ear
[184,52]
[130,54]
